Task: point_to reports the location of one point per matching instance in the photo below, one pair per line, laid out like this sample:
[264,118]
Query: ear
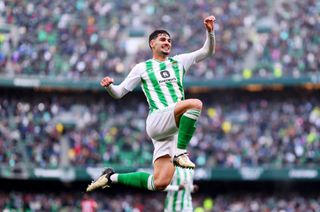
[152,44]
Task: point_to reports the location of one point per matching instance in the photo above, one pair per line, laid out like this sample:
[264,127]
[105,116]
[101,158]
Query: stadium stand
[265,129]
[154,202]
[95,38]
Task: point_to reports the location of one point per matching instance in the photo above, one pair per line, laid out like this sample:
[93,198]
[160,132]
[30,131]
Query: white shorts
[162,129]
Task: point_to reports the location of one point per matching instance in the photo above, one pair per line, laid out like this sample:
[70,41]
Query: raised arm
[208,48]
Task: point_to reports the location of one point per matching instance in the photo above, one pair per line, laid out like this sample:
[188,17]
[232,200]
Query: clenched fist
[209,23]
[105,82]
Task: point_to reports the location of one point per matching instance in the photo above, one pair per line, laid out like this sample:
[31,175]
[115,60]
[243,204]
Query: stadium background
[257,142]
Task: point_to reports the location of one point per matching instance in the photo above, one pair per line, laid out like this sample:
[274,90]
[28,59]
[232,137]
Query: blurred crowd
[259,129]
[292,49]
[67,201]
[261,202]
[139,202]
[94,38]
[274,129]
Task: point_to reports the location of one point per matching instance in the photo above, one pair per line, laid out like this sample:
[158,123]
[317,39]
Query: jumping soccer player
[172,119]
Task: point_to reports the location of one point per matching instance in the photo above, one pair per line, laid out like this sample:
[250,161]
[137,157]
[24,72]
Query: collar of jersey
[158,61]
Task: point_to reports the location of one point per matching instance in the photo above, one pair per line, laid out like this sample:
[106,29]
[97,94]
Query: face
[161,45]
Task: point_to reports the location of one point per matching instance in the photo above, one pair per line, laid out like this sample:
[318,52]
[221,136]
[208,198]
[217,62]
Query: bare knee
[195,104]
[185,105]
[163,172]
[161,184]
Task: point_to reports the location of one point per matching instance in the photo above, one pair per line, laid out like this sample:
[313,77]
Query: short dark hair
[155,34]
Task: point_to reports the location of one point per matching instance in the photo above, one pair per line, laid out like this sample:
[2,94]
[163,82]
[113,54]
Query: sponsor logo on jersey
[165,74]
[168,80]
[166,77]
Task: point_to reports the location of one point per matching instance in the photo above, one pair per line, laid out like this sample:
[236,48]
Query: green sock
[137,179]
[187,127]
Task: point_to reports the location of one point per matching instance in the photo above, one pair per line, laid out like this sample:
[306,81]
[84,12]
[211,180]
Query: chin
[166,53]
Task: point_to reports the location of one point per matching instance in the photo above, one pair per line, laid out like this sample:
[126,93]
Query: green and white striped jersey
[161,82]
[180,200]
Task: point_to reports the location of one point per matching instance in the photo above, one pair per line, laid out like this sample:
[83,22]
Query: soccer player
[179,191]
[172,118]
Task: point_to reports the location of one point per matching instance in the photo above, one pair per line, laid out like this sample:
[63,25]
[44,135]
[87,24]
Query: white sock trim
[151,186]
[114,178]
[180,151]
[192,114]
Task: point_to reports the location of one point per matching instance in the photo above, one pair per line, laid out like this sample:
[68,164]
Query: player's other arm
[118,91]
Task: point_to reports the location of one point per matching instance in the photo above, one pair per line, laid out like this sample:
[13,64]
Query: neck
[160,57]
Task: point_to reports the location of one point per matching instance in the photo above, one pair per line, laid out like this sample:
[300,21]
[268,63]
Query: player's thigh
[163,171]
[161,124]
